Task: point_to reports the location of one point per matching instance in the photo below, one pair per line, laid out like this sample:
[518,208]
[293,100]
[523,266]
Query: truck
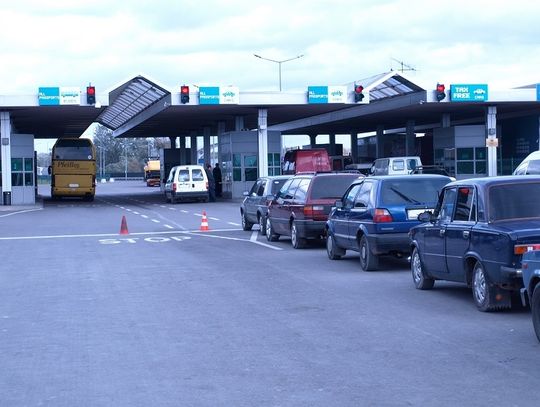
[152,174]
[306,160]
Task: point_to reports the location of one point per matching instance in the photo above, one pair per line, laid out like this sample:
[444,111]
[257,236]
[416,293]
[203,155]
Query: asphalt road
[167,315]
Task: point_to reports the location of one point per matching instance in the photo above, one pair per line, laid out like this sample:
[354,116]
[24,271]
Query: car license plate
[412,214]
[74,185]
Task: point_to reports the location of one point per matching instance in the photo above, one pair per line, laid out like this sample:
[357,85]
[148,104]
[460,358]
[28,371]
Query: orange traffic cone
[204,223]
[123,227]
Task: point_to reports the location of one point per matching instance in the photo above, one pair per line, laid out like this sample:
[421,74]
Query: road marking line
[168,226]
[144,216]
[136,213]
[155,220]
[184,211]
[210,217]
[16,213]
[233,224]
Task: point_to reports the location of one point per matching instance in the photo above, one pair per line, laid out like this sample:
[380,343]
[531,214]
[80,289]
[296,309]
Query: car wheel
[368,261]
[482,290]
[297,242]
[270,235]
[334,252]
[262,225]
[535,310]
[421,281]
[245,224]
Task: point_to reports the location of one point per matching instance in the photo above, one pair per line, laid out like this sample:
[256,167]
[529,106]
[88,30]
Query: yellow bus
[73,168]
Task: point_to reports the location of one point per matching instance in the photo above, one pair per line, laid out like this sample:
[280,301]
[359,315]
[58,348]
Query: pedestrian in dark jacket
[217,178]
[211,183]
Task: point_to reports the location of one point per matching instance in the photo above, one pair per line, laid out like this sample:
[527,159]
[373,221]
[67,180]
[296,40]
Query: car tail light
[207,185]
[93,181]
[382,216]
[174,186]
[523,248]
[314,211]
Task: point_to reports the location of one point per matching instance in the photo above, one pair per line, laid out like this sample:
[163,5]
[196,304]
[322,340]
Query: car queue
[472,231]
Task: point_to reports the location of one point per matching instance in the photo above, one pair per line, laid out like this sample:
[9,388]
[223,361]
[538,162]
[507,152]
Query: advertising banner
[49,96]
[317,94]
[469,93]
[70,96]
[209,95]
[219,95]
[229,95]
[337,94]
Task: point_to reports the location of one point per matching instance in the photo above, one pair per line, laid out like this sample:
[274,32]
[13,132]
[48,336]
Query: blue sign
[49,96]
[538,92]
[317,94]
[209,95]
[468,93]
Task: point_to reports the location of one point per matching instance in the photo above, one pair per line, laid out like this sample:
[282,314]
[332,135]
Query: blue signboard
[317,94]
[49,96]
[469,93]
[538,92]
[209,95]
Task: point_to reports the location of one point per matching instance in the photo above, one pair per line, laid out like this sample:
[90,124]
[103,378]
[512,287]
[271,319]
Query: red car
[301,207]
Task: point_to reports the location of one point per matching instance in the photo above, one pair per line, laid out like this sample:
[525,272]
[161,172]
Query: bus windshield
[73,149]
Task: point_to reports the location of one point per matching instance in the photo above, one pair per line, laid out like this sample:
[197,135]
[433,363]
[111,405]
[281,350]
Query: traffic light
[184,94]
[91,95]
[440,92]
[358,95]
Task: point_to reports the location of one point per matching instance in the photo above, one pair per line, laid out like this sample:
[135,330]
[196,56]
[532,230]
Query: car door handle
[466,234]
[441,232]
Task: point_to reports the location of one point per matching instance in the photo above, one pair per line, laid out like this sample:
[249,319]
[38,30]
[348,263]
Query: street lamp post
[279,63]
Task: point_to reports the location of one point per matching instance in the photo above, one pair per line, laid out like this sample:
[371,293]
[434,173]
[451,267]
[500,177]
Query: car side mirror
[49,170]
[425,216]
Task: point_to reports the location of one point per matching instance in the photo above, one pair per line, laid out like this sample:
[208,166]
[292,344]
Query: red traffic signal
[184,94]
[440,92]
[91,95]
[358,95]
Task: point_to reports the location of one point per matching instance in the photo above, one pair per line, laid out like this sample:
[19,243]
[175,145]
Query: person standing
[211,183]
[217,178]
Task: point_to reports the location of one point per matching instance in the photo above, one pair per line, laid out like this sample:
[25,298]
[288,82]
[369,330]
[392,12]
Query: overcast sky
[72,43]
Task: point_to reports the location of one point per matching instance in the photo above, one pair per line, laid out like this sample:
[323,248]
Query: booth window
[22,172]
[250,168]
[274,165]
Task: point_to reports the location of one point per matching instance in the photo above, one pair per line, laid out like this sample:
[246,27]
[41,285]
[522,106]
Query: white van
[186,182]
[395,165]
[530,165]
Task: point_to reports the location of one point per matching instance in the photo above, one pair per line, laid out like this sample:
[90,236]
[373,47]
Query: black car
[376,213]
[254,207]
[477,235]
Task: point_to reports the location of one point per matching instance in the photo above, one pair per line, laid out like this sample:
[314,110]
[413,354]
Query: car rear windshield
[411,191]
[331,187]
[514,201]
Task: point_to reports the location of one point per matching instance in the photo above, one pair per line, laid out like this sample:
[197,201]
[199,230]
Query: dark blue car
[530,293]
[376,213]
[477,235]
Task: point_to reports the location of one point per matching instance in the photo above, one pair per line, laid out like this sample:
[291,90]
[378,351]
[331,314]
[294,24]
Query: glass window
[237,174]
[255,188]
[285,187]
[183,176]
[289,193]
[481,167]
[348,199]
[17,179]
[250,161]
[533,167]
[16,164]
[328,187]
[465,167]
[512,201]
[398,165]
[464,203]
[465,154]
[28,179]
[250,174]
[362,200]
[447,206]
[415,191]
[260,189]
[276,185]
[301,191]
[197,175]
[28,164]
[237,161]
[480,153]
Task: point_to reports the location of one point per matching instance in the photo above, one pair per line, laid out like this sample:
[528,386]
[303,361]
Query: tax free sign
[219,95]
[469,93]
[327,94]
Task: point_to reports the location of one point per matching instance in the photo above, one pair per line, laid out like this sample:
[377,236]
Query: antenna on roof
[403,66]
